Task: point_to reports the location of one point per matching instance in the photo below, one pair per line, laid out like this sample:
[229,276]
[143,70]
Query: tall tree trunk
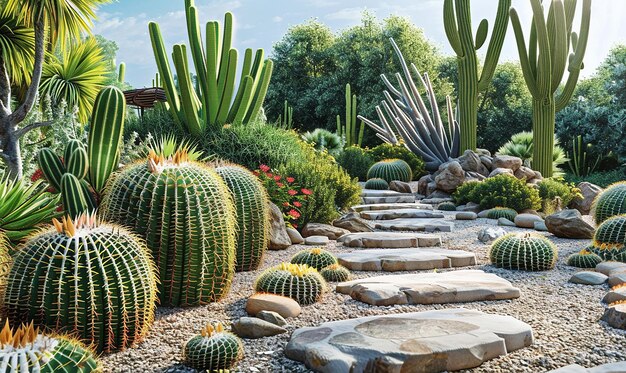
[11,154]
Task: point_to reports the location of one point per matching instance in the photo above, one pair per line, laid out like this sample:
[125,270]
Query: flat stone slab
[389,206]
[400,214]
[419,342]
[615,295]
[316,240]
[391,240]
[417,225]
[401,198]
[382,193]
[392,260]
[619,367]
[429,288]
[588,278]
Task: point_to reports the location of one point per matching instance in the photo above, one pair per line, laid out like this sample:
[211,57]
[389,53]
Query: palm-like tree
[62,21]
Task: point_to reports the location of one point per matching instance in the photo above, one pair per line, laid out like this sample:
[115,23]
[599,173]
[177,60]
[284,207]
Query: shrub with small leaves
[317,258]
[297,281]
[550,189]
[502,212]
[506,191]
[523,251]
[610,237]
[213,349]
[464,192]
[390,170]
[446,206]
[584,259]
[611,202]
[376,184]
[356,161]
[335,273]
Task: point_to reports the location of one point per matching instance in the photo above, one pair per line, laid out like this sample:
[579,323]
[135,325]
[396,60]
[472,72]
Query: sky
[261,23]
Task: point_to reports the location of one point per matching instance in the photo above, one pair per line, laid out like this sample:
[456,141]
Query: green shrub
[157,123]
[356,161]
[521,146]
[386,151]
[551,188]
[505,191]
[465,192]
[324,140]
[602,179]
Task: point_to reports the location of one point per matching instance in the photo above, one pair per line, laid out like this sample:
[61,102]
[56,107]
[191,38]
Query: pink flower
[264,168]
[292,192]
[286,204]
[280,185]
[297,204]
[293,213]
[306,191]
[290,179]
[276,177]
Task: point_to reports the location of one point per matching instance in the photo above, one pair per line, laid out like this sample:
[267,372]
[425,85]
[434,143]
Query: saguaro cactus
[543,65]
[457,21]
[348,131]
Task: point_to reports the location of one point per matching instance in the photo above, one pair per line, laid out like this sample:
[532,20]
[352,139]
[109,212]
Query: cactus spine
[348,131]
[213,349]
[390,170]
[376,184]
[543,65]
[315,258]
[523,251]
[297,281]
[610,202]
[458,26]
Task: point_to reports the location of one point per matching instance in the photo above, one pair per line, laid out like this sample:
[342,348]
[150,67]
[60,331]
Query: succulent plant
[446,206]
[584,259]
[348,131]
[620,257]
[186,213]
[95,280]
[390,170]
[253,221]
[376,184]
[297,281]
[524,251]
[213,349]
[317,258]
[610,237]
[611,202]
[25,349]
[502,212]
[335,273]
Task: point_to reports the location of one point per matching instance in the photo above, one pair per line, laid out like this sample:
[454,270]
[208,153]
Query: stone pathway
[391,260]
[401,214]
[416,225]
[429,288]
[606,368]
[392,240]
[431,341]
[386,196]
[388,206]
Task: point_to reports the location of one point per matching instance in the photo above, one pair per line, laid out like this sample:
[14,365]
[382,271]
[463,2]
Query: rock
[487,161]
[489,234]
[615,315]
[422,184]
[391,206]
[617,278]
[386,196]
[352,222]
[279,239]
[484,213]
[400,186]
[615,295]
[431,188]
[507,161]
[504,222]
[389,240]
[465,215]
[429,341]
[524,173]
[416,225]
[588,278]
[475,176]
[530,211]
[607,267]
[619,367]
[284,306]
[471,162]
[252,327]
[569,223]
[326,230]
[500,171]
[540,226]
[429,288]
[450,177]
[482,151]
[294,236]
[271,316]
[527,220]
[401,214]
[435,201]
[391,260]
[316,240]
[589,192]
[470,206]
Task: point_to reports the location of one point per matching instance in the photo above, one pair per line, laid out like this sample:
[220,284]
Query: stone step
[619,367]
[389,199]
[383,193]
[429,341]
[388,206]
[400,214]
[429,288]
[393,240]
[417,225]
[392,260]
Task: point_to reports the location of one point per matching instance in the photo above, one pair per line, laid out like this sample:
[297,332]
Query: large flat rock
[400,213]
[401,198]
[419,342]
[392,260]
[388,206]
[382,193]
[619,367]
[429,288]
[392,240]
[416,225]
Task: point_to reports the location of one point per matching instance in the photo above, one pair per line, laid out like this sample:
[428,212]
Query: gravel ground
[564,317]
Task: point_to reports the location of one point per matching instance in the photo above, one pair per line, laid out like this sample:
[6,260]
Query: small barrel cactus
[446,206]
[26,350]
[213,349]
[335,273]
[390,170]
[610,237]
[524,251]
[297,281]
[376,184]
[502,212]
[94,280]
[317,258]
[611,202]
[584,259]
[621,257]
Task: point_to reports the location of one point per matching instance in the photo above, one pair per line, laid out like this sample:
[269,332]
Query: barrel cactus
[611,202]
[91,279]
[213,349]
[297,281]
[376,184]
[524,251]
[446,206]
[253,221]
[610,237]
[584,259]
[317,258]
[335,273]
[390,170]
[186,213]
[502,212]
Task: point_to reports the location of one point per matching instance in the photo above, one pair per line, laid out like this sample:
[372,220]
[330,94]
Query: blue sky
[261,23]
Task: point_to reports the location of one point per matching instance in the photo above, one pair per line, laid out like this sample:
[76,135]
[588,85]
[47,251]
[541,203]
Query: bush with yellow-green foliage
[499,191]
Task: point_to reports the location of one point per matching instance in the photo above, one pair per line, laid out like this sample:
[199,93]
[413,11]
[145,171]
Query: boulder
[294,236]
[319,229]
[471,162]
[489,234]
[540,226]
[524,173]
[507,161]
[569,223]
[465,215]
[615,295]
[437,196]
[615,315]
[589,192]
[588,278]
[431,188]
[353,222]
[527,220]
[273,317]
[422,184]
[470,206]
[475,176]
[252,327]
[284,306]
[507,223]
[608,267]
[484,213]
[316,240]
[487,161]
[451,175]
[400,186]
[279,238]
[500,171]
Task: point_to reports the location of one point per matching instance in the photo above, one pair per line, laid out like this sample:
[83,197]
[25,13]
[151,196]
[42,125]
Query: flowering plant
[285,193]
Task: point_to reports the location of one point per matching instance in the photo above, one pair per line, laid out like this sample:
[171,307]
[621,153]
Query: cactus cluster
[610,238]
[390,170]
[285,120]
[92,279]
[186,213]
[348,131]
[335,273]
[523,251]
[376,184]
[317,258]
[446,206]
[213,349]
[586,258]
[300,282]
[611,202]
[502,212]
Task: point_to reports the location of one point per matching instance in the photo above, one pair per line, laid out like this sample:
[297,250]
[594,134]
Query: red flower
[270,175]
[264,168]
[293,213]
[294,225]
[286,204]
[276,177]
[280,185]
[255,172]
[37,175]
[297,204]
[306,191]
[292,192]
[290,179]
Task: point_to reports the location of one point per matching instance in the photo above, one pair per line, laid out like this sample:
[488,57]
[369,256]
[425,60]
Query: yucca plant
[17,44]
[521,146]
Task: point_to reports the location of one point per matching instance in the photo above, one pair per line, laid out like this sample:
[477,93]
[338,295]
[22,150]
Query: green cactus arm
[70,147]
[52,167]
[261,91]
[527,70]
[361,133]
[187,92]
[495,44]
[197,54]
[78,163]
[247,64]
[450,26]
[481,33]
[339,132]
[464,23]
[212,50]
[532,50]
[74,200]
[226,90]
[238,109]
[353,121]
[558,29]
[224,63]
[348,131]
[121,72]
[544,69]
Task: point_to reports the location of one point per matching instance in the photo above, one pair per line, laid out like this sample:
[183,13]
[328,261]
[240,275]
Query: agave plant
[322,139]
[521,146]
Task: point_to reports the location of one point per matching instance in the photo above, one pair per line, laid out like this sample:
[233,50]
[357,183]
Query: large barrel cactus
[611,202]
[376,184]
[91,279]
[317,258]
[610,238]
[297,281]
[524,251]
[390,170]
[253,220]
[584,259]
[185,212]
[213,349]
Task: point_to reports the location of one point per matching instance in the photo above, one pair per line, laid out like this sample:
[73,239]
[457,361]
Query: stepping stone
[429,288]
[316,240]
[393,240]
[403,198]
[615,295]
[607,267]
[465,215]
[382,193]
[588,278]
[606,368]
[392,260]
[418,225]
[615,315]
[389,206]
[284,306]
[400,214]
[430,341]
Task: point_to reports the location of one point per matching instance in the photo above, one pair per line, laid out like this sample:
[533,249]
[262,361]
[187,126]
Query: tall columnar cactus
[253,215]
[317,258]
[611,202]
[285,120]
[584,259]
[502,212]
[544,63]
[297,281]
[525,251]
[186,213]
[390,170]
[213,349]
[91,279]
[121,74]
[457,20]
[581,162]
[348,131]
[609,239]
[216,103]
[376,184]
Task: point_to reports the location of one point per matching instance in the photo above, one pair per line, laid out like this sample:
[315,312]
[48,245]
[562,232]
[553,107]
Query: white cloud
[277,19]
[346,14]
